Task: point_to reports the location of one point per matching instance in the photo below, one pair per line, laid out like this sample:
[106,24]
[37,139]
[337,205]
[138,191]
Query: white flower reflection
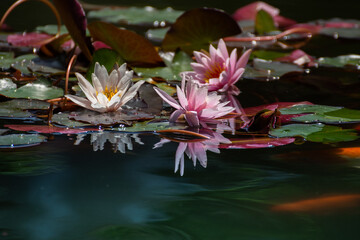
[119,141]
[196,150]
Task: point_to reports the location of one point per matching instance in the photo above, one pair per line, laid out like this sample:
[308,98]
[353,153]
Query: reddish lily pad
[133,48]
[197,28]
[264,142]
[47,129]
[28,39]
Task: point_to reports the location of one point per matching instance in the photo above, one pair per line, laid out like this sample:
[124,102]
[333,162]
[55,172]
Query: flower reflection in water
[196,150]
[119,141]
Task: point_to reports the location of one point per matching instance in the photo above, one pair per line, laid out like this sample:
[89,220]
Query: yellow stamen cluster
[109,92]
[214,71]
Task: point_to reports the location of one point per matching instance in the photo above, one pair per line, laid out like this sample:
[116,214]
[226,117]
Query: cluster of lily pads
[112,83]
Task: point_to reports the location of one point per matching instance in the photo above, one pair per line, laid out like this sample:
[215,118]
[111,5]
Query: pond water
[64,189]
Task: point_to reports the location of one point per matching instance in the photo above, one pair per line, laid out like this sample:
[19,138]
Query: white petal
[83,102]
[130,94]
[87,88]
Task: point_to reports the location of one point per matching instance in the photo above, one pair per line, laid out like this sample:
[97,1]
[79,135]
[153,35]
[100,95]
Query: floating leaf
[197,28]
[263,142]
[7,84]
[293,130]
[133,48]
[8,60]
[269,70]
[345,113]
[331,134]
[47,129]
[156,34]
[52,29]
[347,33]
[268,55]
[136,15]
[306,108]
[20,140]
[63,119]
[2,131]
[73,16]
[40,89]
[264,23]
[28,39]
[180,63]
[105,57]
[110,118]
[149,126]
[25,104]
[340,61]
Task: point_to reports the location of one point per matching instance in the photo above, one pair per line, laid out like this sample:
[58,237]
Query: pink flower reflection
[196,150]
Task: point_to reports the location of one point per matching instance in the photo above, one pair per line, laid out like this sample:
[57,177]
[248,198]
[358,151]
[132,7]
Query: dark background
[31,14]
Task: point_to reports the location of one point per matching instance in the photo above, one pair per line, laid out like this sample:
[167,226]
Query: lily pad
[340,61]
[149,126]
[20,140]
[40,89]
[47,129]
[2,131]
[269,70]
[347,33]
[306,108]
[254,143]
[267,54]
[110,118]
[157,34]
[62,118]
[7,84]
[7,61]
[16,108]
[293,130]
[133,48]
[52,29]
[180,63]
[324,118]
[197,28]
[331,134]
[264,23]
[136,15]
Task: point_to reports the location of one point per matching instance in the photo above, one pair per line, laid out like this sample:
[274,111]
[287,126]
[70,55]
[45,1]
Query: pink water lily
[196,104]
[218,70]
[108,93]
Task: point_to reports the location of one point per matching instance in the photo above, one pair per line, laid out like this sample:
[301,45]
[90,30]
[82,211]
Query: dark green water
[59,190]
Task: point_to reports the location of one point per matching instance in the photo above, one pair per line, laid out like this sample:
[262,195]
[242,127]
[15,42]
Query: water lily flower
[196,151]
[196,104]
[107,93]
[218,70]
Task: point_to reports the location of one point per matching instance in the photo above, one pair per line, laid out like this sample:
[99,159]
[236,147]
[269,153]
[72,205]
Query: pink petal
[192,118]
[249,11]
[179,157]
[171,101]
[175,115]
[182,98]
[243,59]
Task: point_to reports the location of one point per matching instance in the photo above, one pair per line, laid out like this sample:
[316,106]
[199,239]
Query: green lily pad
[40,89]
[268,55]
[106,57]
[7,61]
[20,140]
[16,108]
[340,61]
[331,134]
[62,118]
[293,130]
[52,29]
[311,118]
[269,70]
[307,108]
[149,126]
[180,63]
[157,34]
[347,33]
[7,84]
[136,15]
[133,48]
[345,113]
[197,28]
[264,23]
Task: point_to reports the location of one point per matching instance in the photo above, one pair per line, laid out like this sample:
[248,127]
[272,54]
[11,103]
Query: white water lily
[108,93]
